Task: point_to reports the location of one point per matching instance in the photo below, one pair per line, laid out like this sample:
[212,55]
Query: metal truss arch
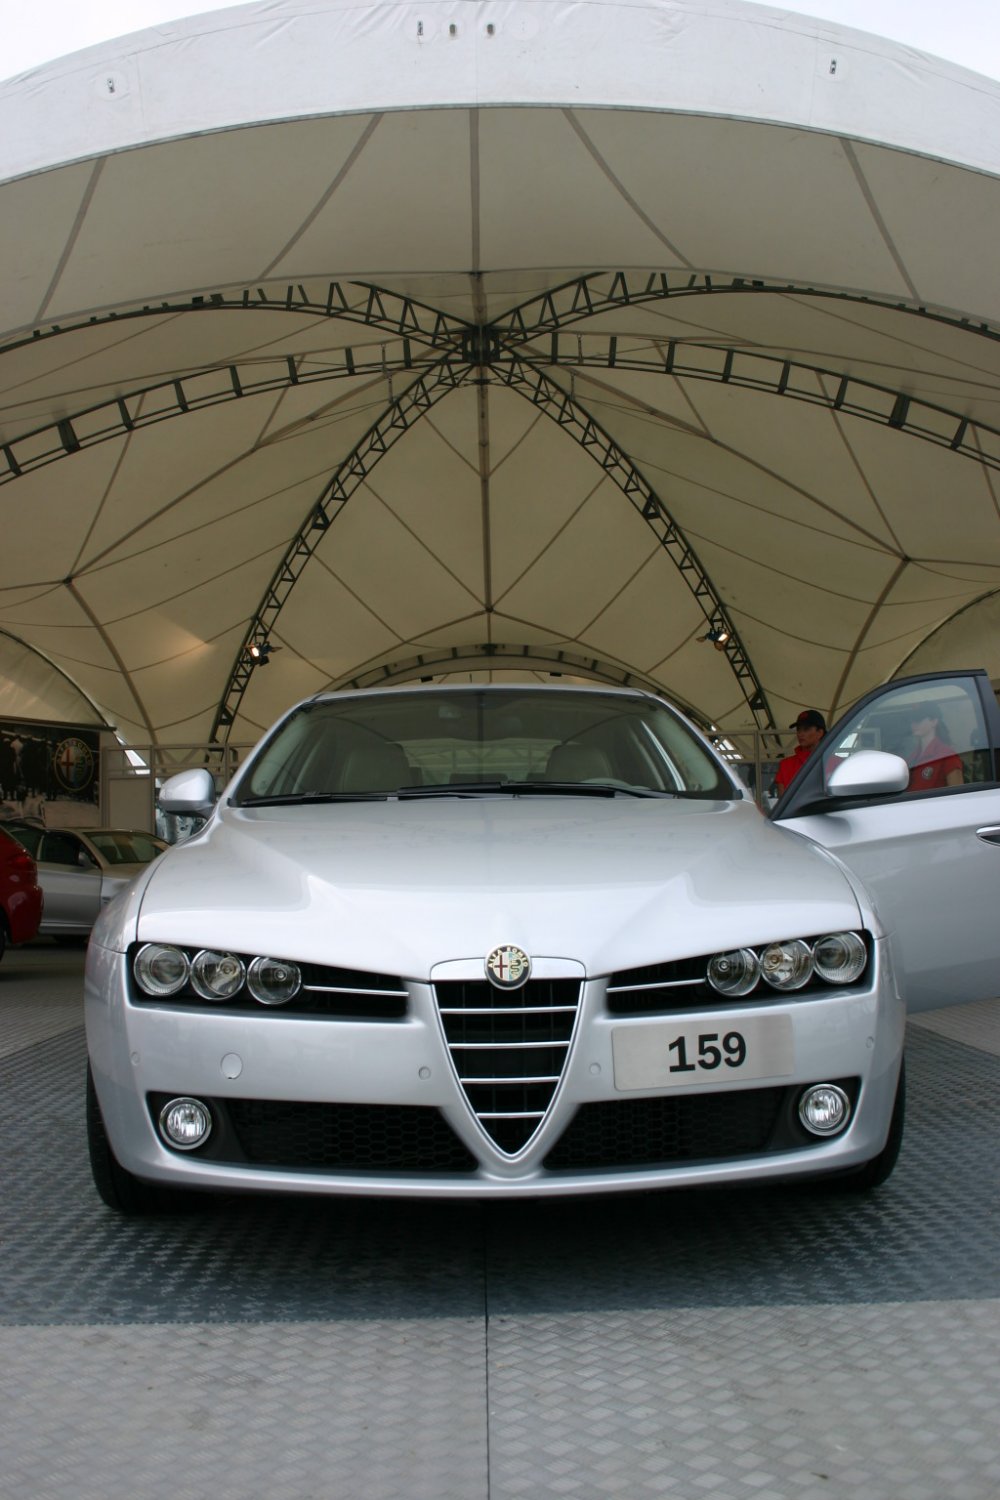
[596,292]
[360,302]
[556,403]
[397,419]
[555,661]
[148,405]
[772,375]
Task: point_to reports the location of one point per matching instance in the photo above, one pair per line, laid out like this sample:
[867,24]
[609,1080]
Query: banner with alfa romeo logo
[46,763]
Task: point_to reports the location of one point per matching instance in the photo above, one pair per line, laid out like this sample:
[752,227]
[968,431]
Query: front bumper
[345,1106]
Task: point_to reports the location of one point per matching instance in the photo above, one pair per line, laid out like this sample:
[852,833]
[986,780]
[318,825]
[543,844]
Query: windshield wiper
[530,788]
[303,799]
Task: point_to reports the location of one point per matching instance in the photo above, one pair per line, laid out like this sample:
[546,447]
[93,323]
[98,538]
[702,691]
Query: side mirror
[190,792]
[868,773]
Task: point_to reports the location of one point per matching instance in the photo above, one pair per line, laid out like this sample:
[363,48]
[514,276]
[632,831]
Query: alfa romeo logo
[508,967]
[73,763]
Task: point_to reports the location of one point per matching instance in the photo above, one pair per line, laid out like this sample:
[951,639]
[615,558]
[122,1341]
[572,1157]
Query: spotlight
[718,636]
[260,651]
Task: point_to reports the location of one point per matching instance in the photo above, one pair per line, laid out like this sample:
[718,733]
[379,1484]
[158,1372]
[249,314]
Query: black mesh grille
[661,987]
[347,1137]
[666,1130]
[516,1042]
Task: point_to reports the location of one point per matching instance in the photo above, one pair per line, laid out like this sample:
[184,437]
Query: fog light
[824,1109]
[185,1123]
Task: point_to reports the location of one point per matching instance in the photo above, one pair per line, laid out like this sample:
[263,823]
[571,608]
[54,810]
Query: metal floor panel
[725,1344]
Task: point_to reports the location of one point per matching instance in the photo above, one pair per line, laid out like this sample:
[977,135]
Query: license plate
[663,1054]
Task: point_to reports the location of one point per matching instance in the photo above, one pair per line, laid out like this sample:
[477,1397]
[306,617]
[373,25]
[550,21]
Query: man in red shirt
[810,727]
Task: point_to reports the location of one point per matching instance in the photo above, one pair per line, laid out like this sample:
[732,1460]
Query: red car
[20,893]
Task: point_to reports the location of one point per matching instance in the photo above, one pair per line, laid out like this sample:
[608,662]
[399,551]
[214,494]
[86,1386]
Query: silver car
[524,941]
[81,869]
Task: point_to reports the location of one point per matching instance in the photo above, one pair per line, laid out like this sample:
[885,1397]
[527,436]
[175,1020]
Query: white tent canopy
[498,335]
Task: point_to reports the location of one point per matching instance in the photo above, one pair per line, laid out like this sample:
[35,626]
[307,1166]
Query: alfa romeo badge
[508,967]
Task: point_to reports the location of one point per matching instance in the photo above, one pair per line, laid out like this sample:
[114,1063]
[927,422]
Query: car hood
[400,886]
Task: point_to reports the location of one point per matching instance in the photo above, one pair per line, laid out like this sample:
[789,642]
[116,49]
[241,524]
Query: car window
[29,837]
[58,848]
[127,847]
[441,738]
[936,726]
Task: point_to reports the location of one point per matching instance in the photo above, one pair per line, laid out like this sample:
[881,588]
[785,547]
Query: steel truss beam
[553,401]
[349,301]
[193,392]
[554,660]
[397,419]
[602,291]
[511,352]
[814,384]
[585,296]
[557,404]
[743,369]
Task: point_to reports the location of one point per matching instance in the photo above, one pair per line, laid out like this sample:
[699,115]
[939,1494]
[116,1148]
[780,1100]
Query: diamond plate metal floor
[727,1344]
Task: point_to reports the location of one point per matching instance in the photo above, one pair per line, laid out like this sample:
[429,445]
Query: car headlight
[161,970]
[217,976]
[787,966]
[836,958]
[734,973]
[273,982]
[840,958]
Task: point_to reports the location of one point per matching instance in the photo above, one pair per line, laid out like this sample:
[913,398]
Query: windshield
[482,741]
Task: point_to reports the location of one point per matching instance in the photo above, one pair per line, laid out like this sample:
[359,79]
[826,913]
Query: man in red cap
[810,727]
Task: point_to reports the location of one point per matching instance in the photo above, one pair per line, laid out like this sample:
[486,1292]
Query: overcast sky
[34,31]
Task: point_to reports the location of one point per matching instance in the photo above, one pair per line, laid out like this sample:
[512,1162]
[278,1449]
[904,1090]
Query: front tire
[879,1169]
[119,1189]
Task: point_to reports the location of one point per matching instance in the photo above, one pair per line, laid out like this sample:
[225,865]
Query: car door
[71,884]
[930,854]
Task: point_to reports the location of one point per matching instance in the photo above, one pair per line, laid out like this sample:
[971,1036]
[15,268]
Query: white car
[522,941]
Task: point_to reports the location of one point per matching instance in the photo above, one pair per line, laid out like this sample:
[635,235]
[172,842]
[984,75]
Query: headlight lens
[273,982]
[161,970]
[217,976]
[734,973]
[787,966]
[835,958]
[840,958]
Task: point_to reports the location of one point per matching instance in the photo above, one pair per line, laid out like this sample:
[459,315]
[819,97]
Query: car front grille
[666,1131]
[346,1137]
[509,1049]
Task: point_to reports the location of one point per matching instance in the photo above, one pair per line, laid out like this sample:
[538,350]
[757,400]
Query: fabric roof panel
[758,176]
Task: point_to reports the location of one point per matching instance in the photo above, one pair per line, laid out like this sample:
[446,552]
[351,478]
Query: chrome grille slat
[502,1046]
[352,989]
[664,984]
[513,1029]
[507,1010]
[514,1115]
[534,1078]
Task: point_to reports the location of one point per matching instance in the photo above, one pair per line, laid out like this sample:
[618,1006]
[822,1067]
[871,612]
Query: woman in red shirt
[933,763]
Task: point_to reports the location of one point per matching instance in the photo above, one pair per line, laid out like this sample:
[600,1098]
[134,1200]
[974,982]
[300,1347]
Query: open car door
[929,852]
